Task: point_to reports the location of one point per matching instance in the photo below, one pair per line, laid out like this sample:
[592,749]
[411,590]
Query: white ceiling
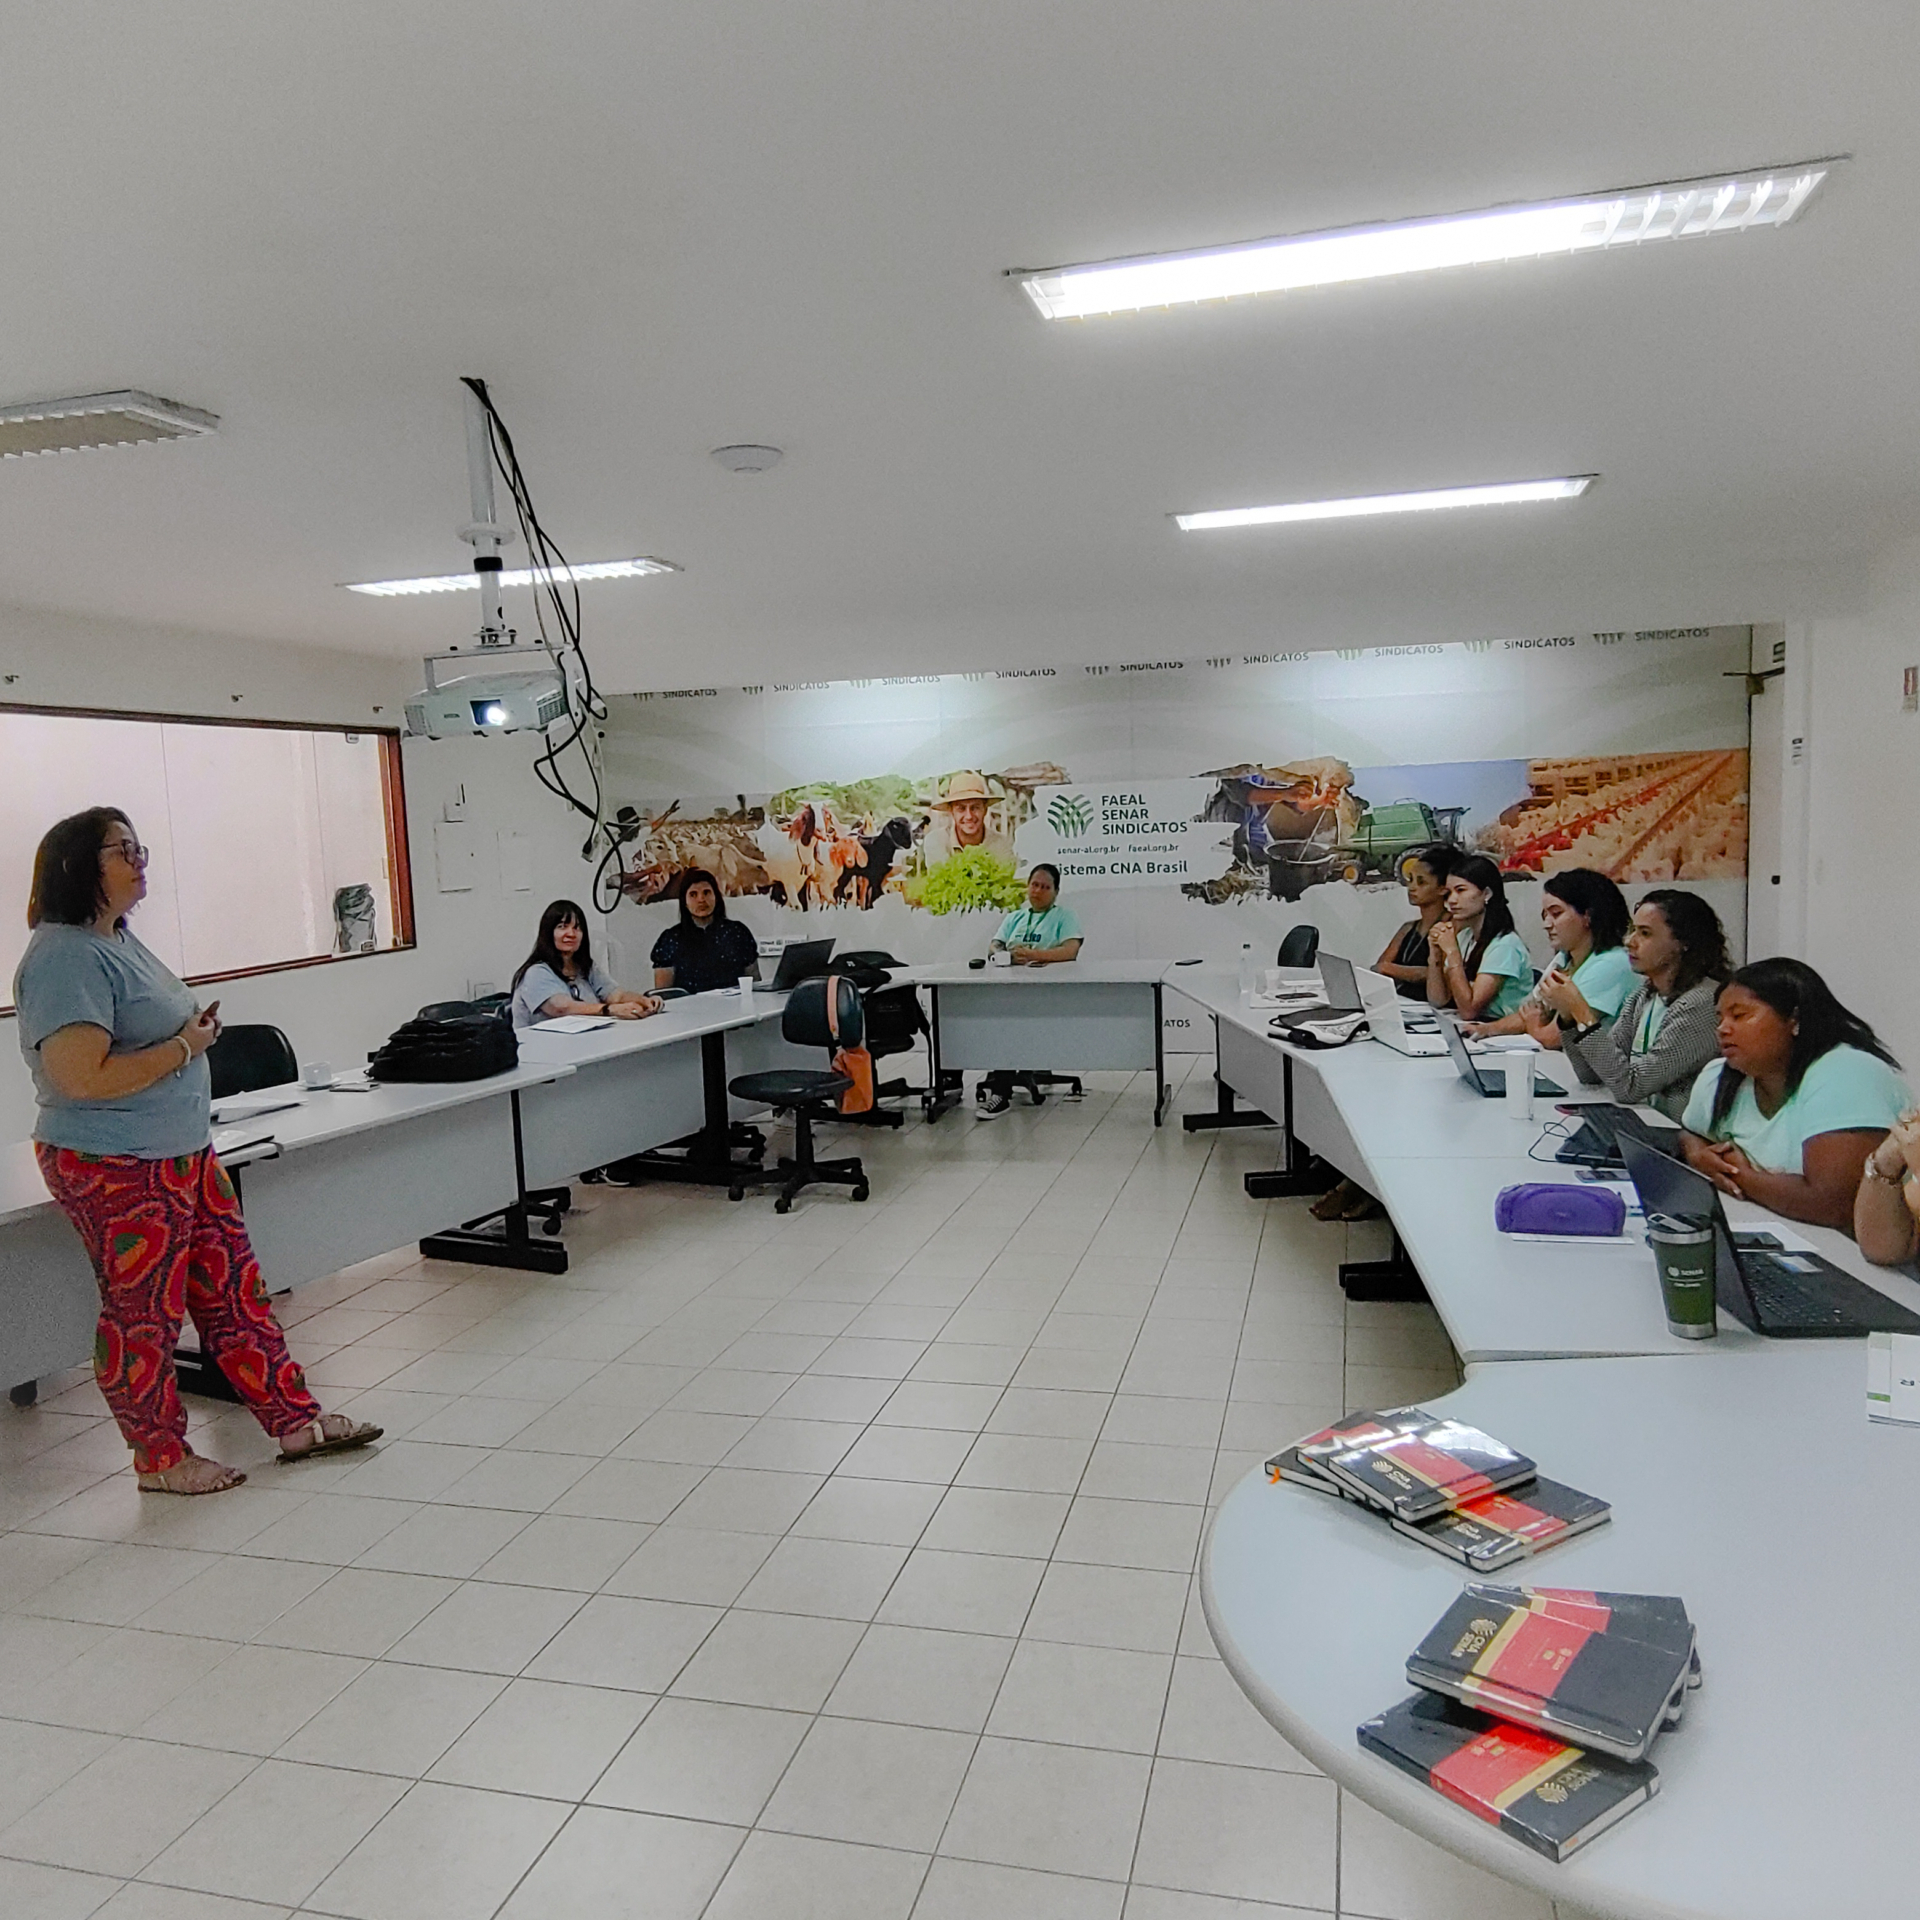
[658,228]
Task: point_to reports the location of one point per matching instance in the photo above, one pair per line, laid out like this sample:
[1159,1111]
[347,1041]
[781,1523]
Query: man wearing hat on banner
[963,817]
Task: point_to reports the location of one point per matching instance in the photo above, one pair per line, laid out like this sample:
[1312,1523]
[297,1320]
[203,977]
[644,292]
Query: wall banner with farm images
[1192,805]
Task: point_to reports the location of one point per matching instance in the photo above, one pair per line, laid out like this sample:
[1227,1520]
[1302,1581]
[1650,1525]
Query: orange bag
[855,1062]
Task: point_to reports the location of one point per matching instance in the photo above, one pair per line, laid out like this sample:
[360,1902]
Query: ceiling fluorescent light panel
[1507,493]
[127,418]
[516,577]
[1587,223]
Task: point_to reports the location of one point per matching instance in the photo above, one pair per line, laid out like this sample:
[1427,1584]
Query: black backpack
[460,1046]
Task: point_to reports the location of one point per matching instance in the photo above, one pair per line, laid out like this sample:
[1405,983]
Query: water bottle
[1246,969]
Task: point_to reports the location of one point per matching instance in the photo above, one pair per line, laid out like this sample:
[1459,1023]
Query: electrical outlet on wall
[455,808]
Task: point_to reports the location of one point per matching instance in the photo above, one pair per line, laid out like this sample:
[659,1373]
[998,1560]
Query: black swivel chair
[894,1022]
[245,1059]
[1299,948]
[807,1095]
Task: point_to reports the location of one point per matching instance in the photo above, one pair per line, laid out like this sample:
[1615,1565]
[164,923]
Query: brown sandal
[219,1479]
[356,1434]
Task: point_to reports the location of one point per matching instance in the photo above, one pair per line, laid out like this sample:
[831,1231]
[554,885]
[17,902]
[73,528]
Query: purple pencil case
[1542,1207]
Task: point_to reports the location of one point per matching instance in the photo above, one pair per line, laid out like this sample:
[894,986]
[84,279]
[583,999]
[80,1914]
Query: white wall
[1860,780]
[340,1010]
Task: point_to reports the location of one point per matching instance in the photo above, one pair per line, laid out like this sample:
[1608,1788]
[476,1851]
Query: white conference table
[1436,1154]
[1759,1492]
[1076,1016]
[345,1176]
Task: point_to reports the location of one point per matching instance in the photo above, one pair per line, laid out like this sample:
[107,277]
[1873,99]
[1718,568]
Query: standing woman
[117,1049]
[560,976]
[1652,1053]
[705,949]
[1404,958]
[1585,916]
[1477,966]
[1802,1094]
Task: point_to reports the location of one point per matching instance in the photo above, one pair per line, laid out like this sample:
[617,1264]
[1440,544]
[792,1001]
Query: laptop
[1407,1026]
[799,960]
[1596,1141]
[1782,1293]
[1343,998]
[1489,1086]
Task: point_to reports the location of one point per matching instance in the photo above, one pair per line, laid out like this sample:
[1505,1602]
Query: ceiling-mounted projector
[502,689]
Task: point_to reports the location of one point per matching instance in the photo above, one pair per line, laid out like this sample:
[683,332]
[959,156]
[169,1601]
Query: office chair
[894,1022]
[808,1096]
[1299,948]
[245,1059]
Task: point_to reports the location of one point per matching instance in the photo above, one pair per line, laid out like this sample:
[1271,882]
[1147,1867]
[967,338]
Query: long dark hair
[1478,871]
[1591,894]
[67,888]
[1798,995]
[692,878]
[546,954]
[1703,940]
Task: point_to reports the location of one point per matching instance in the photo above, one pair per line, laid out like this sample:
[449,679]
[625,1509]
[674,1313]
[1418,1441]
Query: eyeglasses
[130,851]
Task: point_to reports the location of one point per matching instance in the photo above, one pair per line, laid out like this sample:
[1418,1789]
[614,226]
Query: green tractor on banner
[1387,838]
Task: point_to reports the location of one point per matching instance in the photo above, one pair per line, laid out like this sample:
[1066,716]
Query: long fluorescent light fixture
[1508,493]
[1627,217]
[516,577]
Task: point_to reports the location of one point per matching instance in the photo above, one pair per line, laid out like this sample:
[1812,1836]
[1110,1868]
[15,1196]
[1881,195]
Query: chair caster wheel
[552,1226]
[859,1192]
[736,1193]
[784,1204]
[25,1394]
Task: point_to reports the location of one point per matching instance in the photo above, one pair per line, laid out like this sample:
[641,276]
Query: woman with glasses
[117,1049]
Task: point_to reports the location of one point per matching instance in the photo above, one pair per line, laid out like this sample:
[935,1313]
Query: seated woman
[1404,958]
[1651,1054]
[1886,1209]
[704,950]
[1802,1093]
[1585,916]
[1477,966]
[559,976]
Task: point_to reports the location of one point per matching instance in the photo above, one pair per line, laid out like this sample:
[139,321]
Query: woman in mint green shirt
[1585,916]
[1477,966]
[1043,932]
[1802,1093]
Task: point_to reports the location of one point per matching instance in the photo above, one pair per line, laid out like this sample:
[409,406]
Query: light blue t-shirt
[1507,956]
[72,976]
[1605,979]
[1025,928]
[540,983]
[1845,1090]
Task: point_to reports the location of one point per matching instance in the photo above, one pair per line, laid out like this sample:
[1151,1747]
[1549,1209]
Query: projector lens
[489,713]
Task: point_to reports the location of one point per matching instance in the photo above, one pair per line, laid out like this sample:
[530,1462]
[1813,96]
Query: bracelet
[186,1048]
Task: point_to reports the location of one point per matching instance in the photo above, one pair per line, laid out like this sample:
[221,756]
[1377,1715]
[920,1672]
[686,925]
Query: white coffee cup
[317,1074]
[999,957]
[746,986]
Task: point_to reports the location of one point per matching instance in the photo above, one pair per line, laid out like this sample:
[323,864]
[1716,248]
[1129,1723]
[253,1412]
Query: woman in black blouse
[1404,958]
[705,949]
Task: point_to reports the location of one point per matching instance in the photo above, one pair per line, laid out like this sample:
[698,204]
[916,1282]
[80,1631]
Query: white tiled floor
[833,1565]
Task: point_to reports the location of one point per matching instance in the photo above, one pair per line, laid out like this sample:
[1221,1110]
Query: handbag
[854,1063]
[467,1046]
[1539,1206]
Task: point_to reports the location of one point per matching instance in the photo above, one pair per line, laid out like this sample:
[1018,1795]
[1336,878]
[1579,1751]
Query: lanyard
[1643,1038]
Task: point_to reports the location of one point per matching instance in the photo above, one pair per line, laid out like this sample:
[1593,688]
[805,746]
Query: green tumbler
[1683,1250]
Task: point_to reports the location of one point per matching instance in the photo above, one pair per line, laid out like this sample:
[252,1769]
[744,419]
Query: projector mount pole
[484,534]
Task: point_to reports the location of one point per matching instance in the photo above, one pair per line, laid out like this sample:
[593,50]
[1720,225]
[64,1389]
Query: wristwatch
[1581,1033]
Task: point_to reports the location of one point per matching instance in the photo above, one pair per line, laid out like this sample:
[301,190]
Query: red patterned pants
[166,1238]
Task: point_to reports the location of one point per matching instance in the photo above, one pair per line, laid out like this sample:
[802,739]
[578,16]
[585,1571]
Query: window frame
[393,785]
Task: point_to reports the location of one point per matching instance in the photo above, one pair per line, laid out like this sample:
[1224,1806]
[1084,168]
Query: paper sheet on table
[573,1023]
[227,1141]
[250,1106]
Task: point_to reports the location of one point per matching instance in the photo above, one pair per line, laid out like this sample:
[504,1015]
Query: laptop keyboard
[1781,1295]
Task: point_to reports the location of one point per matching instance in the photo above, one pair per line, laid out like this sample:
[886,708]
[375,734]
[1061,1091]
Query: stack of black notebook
[1447,1485]
[1540,1705]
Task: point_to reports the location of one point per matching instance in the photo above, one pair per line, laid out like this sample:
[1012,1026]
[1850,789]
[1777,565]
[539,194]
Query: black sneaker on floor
[990,1106]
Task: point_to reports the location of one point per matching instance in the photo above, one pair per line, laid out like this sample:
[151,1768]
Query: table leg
[944,1090]
[1305,1172]
[706,1158]
[1394,1278]
[1224,1112]
[1159,1056]
[478,1244]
